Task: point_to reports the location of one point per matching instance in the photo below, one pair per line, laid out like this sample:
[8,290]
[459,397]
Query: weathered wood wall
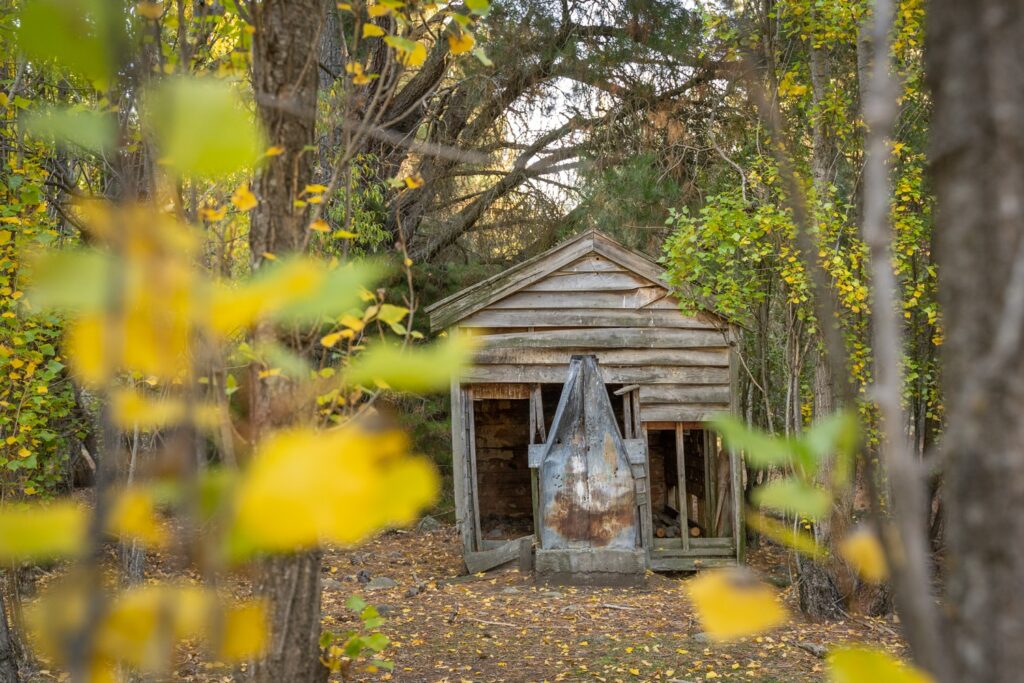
[633,325]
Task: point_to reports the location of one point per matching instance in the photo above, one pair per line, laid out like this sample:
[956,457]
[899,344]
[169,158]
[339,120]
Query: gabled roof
[464,303]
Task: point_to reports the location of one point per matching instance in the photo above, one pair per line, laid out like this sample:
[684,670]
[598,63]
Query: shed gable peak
[590,249]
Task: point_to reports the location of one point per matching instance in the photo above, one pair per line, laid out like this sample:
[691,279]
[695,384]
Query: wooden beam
[484,560]
[612,374]
[631,357]
[584,317]
[613,337]
[474,481]
[684,507]
[460,473]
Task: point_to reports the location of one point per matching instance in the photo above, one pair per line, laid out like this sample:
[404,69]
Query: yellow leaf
[345,6]
[150,10]
[378,10]
[352,322]
[274,151]
[305,487]
[331,339]
[133,516]
[270,257]
[862,550]
[320,225]
[42,389]
[856,665]
[130,408]
[461,43]
[314,189]
[372,30]
[243,198]
[245,631]
[40,532]
[345,234]
[414,181]
[732,604]
[212,215]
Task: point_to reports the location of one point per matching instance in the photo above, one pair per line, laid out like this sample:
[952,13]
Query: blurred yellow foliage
[860,665]
[142,625]
[36,532]
[863,551]
[305,487]
[733,604]
[133,516]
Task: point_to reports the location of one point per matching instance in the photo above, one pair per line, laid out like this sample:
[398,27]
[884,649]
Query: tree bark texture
[976,72]
[286,48]
[8,651]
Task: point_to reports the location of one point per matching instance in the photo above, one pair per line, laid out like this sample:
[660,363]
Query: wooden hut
[665,374]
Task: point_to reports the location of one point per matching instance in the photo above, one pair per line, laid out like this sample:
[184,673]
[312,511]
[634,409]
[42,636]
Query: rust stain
[597,521]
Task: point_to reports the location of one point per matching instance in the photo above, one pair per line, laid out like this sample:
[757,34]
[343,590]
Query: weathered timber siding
[630,322]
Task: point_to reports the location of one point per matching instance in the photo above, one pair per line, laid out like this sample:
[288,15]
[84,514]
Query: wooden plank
[503,355]
[709,485]
[453,308]
[474,481]
[690,564]
[592,264]
[460,474]
[735,470]
[684,507]
[713,394]
[537,435]
[610,338]
[612,374]
[635,298]
[708,551]
[695,543]
[590,282]
[484,560]
[680,413]
[584,317]
[483,391]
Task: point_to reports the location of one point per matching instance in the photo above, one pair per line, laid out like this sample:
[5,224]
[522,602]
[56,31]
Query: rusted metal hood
[587,493]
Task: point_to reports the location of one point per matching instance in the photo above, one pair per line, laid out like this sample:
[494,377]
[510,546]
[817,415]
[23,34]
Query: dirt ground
[500,626]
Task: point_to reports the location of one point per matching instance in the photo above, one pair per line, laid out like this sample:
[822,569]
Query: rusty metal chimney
[589,517]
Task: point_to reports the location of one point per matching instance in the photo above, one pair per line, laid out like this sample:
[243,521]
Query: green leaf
[761,450]
[376,641]
[479,7]
[856,665]
[338,292]
[416,369]
[70,280]
[91,130]
[82,36]
[793,496]
[202,127]
[355,603]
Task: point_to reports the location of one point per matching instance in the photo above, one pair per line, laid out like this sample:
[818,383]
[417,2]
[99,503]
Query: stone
[381,583]
[702,637]
[363,576]
[428,523]
[591,567]
[819,651]
[510,590]
[332,584]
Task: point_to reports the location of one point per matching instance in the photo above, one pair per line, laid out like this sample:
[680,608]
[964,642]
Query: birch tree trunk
[285,56]
[976,72]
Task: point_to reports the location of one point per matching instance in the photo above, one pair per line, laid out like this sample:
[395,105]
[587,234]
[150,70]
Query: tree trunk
[285,64]
[8,648]
[975,57]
